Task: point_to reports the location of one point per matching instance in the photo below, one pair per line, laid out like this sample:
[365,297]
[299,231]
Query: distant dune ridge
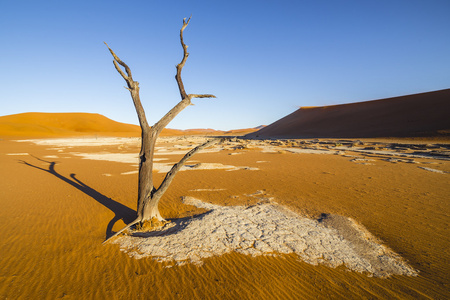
[418,115]
[63,124]
[35,124]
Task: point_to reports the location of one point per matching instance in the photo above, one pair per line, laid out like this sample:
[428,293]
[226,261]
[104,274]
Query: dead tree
[148,194]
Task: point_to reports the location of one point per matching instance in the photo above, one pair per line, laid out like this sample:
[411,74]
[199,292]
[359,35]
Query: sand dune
[63,124]
[239,132]
[35,125]
[418,115]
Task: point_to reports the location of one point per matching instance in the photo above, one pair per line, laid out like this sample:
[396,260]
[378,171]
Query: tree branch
[123,229]
[171,174]
[133,87]
[185,98]
[121,72]
[117,59]
[162,123]
[201,96]
[183,60]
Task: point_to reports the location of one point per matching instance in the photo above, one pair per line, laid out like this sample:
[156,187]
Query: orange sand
[35,125]
[53,224]
[63,124]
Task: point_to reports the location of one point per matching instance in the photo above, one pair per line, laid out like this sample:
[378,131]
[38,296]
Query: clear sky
[262,59]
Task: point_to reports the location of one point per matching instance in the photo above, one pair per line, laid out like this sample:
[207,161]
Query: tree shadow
[121,211]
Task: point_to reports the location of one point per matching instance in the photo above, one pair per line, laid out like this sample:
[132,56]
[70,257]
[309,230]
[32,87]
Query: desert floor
[60,199]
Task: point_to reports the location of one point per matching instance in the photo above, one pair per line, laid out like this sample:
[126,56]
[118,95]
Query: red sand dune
[418,115]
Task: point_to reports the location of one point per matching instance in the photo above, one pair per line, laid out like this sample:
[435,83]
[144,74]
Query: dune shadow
[121,212]
[175,226]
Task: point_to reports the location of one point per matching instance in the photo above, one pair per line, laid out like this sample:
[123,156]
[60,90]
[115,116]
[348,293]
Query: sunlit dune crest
[418,115]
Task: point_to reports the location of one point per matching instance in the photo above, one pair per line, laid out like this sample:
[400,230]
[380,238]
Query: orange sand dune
[209,131]
[63,124]
[241,131]
[418,115]
[85,124]
[71,124]
[201,131]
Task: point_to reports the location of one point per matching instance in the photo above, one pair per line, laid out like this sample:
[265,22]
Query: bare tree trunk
[148,195]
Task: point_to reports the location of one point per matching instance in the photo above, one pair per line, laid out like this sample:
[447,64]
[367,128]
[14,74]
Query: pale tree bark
[148,194]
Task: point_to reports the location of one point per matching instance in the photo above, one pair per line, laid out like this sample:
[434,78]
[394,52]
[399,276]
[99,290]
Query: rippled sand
[58,207]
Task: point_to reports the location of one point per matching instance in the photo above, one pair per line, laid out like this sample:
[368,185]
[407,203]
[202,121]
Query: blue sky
[262,59]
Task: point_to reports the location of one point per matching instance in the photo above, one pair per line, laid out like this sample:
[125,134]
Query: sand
[45,125]
[62,125]
[58,207]
[418,115]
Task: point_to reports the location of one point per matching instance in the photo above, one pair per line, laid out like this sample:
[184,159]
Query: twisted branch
[133,87]
[175,168]
[118,60]
[183,60]
[185,98]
